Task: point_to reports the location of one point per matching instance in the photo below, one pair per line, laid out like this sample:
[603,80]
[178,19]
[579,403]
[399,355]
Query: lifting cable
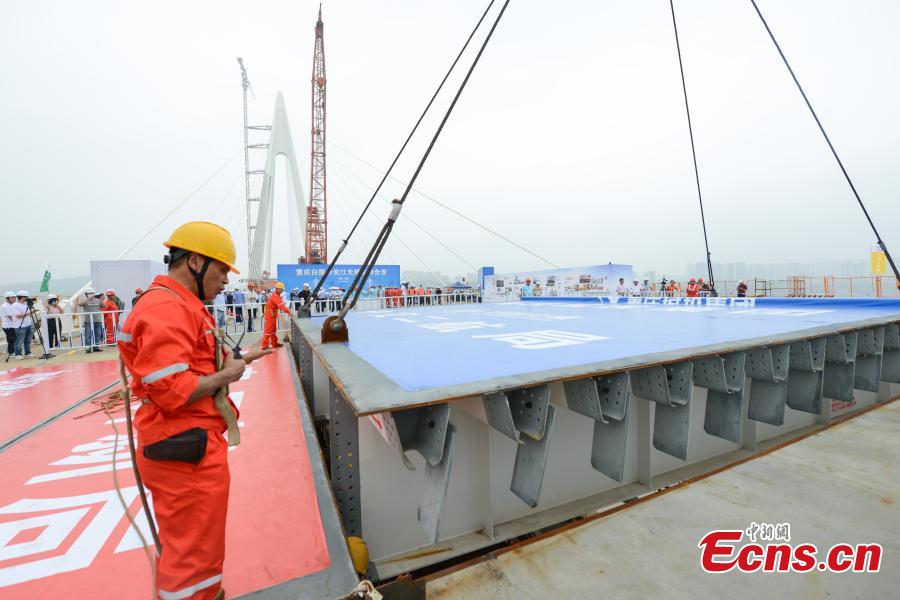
[445,207]
[881,244]
[337,323]
[687,110]
[411,220]
[399,153]
[178,206]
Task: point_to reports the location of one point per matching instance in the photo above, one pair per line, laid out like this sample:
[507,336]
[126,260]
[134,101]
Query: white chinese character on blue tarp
[541,340]
[455,326]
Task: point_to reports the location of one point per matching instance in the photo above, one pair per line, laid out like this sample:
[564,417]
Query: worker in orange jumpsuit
[693,289]
[169,344]
[110,311]
[274,303]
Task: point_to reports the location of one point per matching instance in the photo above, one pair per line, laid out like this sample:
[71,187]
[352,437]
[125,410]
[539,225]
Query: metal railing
[792,287]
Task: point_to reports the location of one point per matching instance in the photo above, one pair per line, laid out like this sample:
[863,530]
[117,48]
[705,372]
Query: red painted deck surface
[29,396]
[63,532]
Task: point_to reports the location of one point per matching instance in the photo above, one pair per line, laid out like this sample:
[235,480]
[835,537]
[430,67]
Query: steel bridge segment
[520,407]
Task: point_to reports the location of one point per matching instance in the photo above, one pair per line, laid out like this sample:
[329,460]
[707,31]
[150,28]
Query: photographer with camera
[24,324]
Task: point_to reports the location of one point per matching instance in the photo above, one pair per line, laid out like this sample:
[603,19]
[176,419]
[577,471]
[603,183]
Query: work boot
[98,350]
[277,345]
[89,350]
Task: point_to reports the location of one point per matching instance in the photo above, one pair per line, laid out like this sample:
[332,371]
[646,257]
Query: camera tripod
[40,335]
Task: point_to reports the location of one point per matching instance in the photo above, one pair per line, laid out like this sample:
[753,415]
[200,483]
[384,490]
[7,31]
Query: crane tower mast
[317,219]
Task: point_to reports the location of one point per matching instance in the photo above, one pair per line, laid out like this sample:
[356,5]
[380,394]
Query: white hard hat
[9,294]
[52,297]
[23,294]
[306,285]
[89,290]
[740,281]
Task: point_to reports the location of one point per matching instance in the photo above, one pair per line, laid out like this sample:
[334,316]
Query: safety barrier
[67,331]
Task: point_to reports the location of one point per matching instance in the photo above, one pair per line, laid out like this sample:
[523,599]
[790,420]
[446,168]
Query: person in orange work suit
[170,345]
[110,316]
[274,303]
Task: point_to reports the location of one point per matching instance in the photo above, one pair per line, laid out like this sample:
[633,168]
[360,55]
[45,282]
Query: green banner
[45,284]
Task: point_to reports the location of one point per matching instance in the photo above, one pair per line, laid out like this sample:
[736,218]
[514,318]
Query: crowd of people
[694,288]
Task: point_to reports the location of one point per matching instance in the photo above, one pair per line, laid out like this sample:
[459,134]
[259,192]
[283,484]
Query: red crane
[316,212]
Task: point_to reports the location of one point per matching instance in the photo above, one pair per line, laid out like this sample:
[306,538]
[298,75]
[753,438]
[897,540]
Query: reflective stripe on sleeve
[190,590]
[123,336]
[164,372]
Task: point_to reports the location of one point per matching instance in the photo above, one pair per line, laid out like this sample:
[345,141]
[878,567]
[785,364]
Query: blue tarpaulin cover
[435,346]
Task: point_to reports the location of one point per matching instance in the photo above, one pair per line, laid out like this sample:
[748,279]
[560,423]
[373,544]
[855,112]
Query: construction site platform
[63,532]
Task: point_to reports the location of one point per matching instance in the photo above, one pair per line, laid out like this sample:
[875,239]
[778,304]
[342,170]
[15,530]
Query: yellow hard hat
[207,239]
[279,286]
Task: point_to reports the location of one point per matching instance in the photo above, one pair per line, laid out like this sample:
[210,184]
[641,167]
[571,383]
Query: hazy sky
[570,138]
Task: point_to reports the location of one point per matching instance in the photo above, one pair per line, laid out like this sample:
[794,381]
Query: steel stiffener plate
[582,397]
[608,447]
[424,429]
[613,393]
[531,460]
[529,407]
[434,495]
[838,381]
[767,400]
[867,375]
[870,342]
[723,415]
[499,416]
[804,391]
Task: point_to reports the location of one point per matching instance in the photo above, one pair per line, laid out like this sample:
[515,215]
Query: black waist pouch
[188,446]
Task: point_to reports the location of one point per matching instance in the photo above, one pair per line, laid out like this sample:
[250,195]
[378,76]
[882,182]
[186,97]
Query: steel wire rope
[451,210]
[398,204]
[405,143]
[345,213]
[687,110]
[880,242]
[411,220]
[438,275]
[402,242]
[231,189]
[179,205]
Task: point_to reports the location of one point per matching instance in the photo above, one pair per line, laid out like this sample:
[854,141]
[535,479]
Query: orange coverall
[167,343]
[274,303]
[109,310]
